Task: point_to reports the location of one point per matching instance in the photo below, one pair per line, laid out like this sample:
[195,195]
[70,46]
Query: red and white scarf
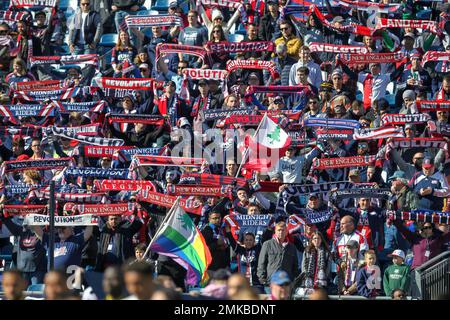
[88,59]
[124,185]
[371,57]
[379,133]
[125,83]
[162,20]
[336,48]
[233,65]
[366,6]
[180,48]
[233,47]
[416,142]
[428,105]
[394,119]
[210,74]
[435,56]
[343,162]
[432,26]
[101,210]
[226,4]
[167,201]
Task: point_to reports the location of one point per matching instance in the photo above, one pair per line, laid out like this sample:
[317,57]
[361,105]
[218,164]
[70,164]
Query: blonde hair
[22,64]
[33,175]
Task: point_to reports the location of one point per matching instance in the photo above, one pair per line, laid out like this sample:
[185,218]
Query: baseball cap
[427,163]
[183,122]
[143,66]
[202,81]
[278,99]
[326,86]
[410,35]
[23,157]
[312,195]
[337,19]
[374,64]
[352,244]
[353,172]
[253,75]
[280,278]
[415,55]
[397,253]
[399,174]
[337,72]
[173,4]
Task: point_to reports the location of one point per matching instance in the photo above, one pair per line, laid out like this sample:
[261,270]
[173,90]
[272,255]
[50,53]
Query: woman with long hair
[19,73]
[219,59]
[316,263]
[123,55]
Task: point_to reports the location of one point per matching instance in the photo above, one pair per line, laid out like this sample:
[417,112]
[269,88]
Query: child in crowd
[368,278]
[396,276]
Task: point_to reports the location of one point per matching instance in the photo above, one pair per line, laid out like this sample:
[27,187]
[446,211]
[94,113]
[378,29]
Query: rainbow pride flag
[180,239]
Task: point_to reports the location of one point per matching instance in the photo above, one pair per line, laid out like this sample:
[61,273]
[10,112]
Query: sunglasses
[427,228]
[85,4]
[4,31]
[283,29]
[312,102]
[216,31]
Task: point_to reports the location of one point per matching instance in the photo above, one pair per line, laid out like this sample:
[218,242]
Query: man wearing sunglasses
[86,30]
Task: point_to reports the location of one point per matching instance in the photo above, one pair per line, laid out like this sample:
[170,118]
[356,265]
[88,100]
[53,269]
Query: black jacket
[267,28]
[220,258]
[124,241]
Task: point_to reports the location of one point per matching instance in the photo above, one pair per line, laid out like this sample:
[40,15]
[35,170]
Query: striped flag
[180,239]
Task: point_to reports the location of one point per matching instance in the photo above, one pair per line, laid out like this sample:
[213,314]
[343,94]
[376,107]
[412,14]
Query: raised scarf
[416,143]
[332,123]
[161,20]
[210,74]
[54,131]
[395,119]
[371,57]
[101,210]
[99,173]
[40,164]
[421,215]
[432,26]
[337,48]
[233,47]
[368,6]
[124,185]
[342,162]
[167,201]
[428,105]
[233,65]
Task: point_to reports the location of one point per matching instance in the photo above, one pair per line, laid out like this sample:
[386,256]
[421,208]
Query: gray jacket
[274,257]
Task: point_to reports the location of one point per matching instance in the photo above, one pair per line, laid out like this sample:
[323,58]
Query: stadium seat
[241,30]
[390,98]
[36,287]
[162,6]
[235,38]
[64,4]
[424,14]
[108,40]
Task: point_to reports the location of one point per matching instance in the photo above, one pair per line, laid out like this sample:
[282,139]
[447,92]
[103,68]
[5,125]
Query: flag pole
[244,159]
[161,226]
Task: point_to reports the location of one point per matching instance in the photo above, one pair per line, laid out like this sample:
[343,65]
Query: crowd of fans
[391,116]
